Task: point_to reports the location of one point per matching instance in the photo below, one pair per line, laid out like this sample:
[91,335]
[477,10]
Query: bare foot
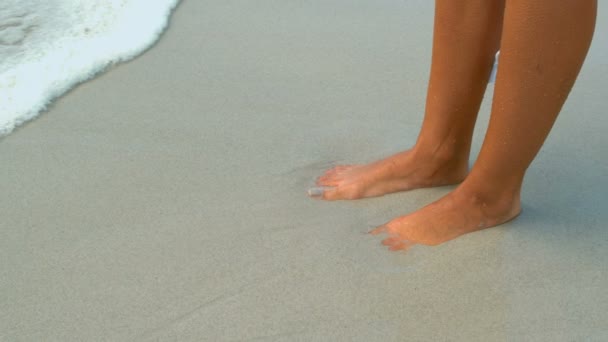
[460,212]
[403,171]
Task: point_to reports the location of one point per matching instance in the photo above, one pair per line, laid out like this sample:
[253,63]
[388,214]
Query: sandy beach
[166,199]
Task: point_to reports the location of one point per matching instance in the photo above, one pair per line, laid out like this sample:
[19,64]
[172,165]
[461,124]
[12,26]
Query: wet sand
[166,200]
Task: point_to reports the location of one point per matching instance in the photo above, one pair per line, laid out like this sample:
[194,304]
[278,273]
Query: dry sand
[165,200]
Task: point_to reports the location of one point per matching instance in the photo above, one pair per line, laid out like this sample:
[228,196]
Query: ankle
[496,200]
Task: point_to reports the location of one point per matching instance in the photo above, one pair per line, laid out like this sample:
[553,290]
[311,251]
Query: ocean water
[49,46]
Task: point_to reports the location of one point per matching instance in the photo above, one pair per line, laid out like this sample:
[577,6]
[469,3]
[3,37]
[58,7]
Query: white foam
[49,46]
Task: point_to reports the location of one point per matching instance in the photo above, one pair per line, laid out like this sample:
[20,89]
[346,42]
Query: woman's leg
[466,37]
[544,44]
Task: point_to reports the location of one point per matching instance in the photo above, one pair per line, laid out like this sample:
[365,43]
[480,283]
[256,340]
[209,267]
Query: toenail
[317,191]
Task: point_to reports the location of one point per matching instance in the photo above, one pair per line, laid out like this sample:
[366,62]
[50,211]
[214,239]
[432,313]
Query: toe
[316,191]
[399,246]
[391,241]
[331,194]
[397,243]
[378,230]
[324,192]
[327,181]
[326,177]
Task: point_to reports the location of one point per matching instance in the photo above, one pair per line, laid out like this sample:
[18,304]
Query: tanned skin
[543,44]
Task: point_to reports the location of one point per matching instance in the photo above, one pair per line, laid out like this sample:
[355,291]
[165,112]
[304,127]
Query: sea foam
[49,46]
